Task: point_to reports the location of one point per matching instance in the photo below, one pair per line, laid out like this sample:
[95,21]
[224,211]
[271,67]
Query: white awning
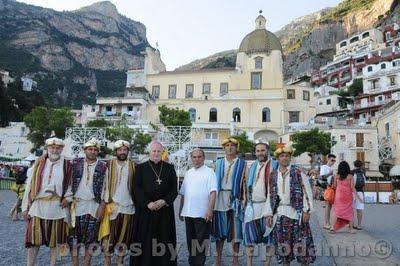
[31,157]
[373,174]
[395,171]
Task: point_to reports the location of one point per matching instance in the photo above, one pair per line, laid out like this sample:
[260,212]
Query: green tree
[119,132]
[245,145]
[272,147]
[7,108]
[313,141]
[356,88]
[97,123]
[174,116]
[41,121]
[140,142]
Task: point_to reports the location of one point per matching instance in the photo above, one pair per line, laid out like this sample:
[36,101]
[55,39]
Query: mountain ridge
[73,55]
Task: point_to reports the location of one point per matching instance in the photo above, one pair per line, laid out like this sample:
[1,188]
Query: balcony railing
[345,78]
[366,145]
[207,143]
[331,70]
[370,104]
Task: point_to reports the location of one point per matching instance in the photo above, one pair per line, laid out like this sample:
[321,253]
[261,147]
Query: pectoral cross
[159,181]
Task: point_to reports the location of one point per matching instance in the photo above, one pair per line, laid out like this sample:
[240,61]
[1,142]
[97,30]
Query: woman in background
[344,191]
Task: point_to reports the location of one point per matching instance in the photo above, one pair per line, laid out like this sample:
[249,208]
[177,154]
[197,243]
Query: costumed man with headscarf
[288,210]
[120,210]
[256,191]
[45,201]
[90,194]
[228,212]
[155,191]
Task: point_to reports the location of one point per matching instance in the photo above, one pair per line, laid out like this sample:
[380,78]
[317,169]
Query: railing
[207,143]
[370,104]
[345,78]
[6,183]
[337,69]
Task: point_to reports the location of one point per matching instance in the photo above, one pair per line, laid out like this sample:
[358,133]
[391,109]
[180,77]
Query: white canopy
[395,171]
[31,157]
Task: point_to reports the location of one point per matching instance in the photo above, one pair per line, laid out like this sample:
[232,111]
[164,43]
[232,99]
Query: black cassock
[155,228]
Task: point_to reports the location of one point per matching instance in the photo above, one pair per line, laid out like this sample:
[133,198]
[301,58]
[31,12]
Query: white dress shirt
[196,189]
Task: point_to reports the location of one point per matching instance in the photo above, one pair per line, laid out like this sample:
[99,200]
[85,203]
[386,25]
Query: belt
[259,201]
[50,198]
[226,190]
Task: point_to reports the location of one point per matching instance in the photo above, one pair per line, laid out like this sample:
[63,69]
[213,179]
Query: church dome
[260,40]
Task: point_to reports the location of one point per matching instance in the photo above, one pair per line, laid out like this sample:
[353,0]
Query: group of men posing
[127,209]
[268,203]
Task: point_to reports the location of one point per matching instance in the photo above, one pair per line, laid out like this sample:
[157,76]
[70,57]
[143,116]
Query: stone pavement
[365,247]
[12,251]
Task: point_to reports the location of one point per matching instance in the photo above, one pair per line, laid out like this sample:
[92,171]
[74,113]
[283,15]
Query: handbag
[329,195]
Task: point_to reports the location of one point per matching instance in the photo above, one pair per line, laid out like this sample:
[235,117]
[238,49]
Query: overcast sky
[187,29]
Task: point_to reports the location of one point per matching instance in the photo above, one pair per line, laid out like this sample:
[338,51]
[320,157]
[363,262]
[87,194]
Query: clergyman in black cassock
[155,191]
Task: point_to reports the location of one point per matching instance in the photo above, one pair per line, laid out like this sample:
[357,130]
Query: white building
[365,41]
[5,77]
[28,84]
[382,77]
[349,143]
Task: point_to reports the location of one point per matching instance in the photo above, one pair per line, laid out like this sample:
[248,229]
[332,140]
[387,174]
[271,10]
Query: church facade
[249,97]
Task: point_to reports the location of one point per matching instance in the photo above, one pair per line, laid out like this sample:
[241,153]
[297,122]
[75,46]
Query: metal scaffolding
[80,135]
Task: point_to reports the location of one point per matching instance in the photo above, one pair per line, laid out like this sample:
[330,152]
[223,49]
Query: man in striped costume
[228,211]
[121,210]
[288,209]
[90,195]
[256,191]
[45,201]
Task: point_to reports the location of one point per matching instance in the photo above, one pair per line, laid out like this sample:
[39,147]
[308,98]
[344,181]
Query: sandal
[357,227]
[327,227]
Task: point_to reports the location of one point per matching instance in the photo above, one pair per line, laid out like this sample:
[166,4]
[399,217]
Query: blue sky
[187,29]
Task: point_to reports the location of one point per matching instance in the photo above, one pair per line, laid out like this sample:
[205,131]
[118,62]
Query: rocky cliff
[75,55]
[309,42]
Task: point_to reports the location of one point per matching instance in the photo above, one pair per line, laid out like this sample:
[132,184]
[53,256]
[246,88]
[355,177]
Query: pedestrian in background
[344,191]
[359,184]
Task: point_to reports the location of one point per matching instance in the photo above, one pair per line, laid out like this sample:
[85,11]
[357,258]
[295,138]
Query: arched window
[192,114]
[236,114]
[258,62]
[354,39]
[343,44]
[266,114]
[383,66]
[213,115]
[365,35]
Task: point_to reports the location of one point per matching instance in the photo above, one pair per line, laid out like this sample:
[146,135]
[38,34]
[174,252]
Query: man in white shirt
[198,193]
[45,201]
[326,174]
[288,210]
[90,194]
[121,172]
